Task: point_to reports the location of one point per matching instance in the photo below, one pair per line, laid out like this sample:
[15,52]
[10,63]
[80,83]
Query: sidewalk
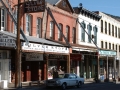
[25,86]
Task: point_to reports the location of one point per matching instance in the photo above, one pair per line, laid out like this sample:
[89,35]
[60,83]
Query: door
[0,69]
[4,69]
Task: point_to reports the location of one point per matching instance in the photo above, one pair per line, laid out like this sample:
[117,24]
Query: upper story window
[105,27]
[101,25]
[105,45]
[95,34]
[64,4]
[74,35]
[89,27]
[116,32]
[116,46]
[113,46]
[109,29]
[67,32]
[112,30]
[15,15]
[119,48]
[102,45]
[51,29]
[39,28]
[109,45]
[59,33]
[3,19]
[28,24]
[83,26]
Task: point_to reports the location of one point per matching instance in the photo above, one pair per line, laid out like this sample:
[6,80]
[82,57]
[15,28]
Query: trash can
[4,84]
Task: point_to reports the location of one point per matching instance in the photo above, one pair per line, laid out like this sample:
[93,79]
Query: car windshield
[63,75]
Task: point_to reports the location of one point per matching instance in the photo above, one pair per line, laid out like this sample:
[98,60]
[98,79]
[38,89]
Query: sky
[107,6]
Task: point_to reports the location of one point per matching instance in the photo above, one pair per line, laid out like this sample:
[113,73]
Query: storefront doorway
[4,69]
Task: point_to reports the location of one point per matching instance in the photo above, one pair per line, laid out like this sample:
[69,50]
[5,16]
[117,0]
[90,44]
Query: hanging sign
[34,6]
[7,41]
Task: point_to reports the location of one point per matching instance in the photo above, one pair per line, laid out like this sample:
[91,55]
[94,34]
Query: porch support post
[114,68]
[98,65]
[78,68]
[107,75]
[45,66]
[68,63]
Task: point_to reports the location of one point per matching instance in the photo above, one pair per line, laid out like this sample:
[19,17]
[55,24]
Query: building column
[68,63]
[78,68]
[114,68]
[119,69]
[98,65]
[87,68]
[92,70]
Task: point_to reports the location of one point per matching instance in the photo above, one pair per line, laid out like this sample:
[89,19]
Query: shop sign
[45,48]
[34,6]
[7,41]
[75,56]
[55,56]
[34,57]
[111,53]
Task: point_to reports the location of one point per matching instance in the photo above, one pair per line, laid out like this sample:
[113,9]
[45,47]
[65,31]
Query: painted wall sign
[34,57]
[46,48]
[34,6]
[7,41]
[103,52]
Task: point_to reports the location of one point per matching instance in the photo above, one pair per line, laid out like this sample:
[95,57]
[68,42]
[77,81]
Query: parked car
[65,80]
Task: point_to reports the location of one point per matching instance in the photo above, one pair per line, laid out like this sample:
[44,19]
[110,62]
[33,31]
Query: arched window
[89,27]
[83,26]
[95,34]
[74,35]
[60,33]
[28,24]
[51,29]
[67,32]
[39,28]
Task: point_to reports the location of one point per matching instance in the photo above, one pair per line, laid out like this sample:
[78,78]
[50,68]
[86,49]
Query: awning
[33,39]
[75,56]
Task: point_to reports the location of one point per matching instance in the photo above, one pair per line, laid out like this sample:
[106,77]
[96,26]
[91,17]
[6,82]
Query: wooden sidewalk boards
[31,84]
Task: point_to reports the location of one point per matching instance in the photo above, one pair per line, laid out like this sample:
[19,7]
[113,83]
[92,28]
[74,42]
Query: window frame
[28,22]
[83,27]
[60,32]
[52,27]
[73,35]
[95,33]
[39,27]
[89,32]
[3,19]
[67,32]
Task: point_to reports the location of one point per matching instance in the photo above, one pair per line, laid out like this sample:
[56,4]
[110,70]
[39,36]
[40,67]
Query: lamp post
[18,52]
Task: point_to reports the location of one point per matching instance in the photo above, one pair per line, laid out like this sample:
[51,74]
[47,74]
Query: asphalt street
[95,86]
[89,86]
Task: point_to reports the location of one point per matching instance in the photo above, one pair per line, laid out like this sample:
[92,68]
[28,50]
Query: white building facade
[109,37]
[88,32]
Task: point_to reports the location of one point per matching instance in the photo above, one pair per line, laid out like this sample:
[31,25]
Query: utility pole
[18,52]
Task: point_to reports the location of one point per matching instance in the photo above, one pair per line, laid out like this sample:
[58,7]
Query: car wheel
[79,84]
[63,86]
